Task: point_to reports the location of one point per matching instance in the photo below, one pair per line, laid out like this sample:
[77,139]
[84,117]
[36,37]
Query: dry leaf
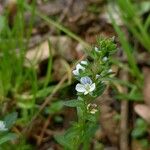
[61,45]
[143,111]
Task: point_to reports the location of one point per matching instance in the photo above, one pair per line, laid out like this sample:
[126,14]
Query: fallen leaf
[143,111]
[61,46]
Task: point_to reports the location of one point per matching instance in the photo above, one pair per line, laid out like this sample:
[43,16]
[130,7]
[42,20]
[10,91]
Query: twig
[43,130]
[124,143]
[47,100]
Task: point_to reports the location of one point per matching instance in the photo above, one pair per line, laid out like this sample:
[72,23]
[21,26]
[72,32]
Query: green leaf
[44,92]
[26,104]
[55,107]
[140,129]
[10,119]
[2,22]
[49,67]
[91,118]
[73,103]
[134,97]
[61,140]
[69,140]
[100,88]
[89,132]
[8,137]
[80,113]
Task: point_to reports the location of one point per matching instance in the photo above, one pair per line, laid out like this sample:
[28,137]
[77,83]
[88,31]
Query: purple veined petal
[86,80]
[92,87]
[75,72]
[80,88]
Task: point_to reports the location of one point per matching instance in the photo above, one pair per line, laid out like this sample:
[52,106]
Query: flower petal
[84,62]
[78,66]
[80,88]
[96,49]
[86,80]
[75,72]
[97,76]
[2,126]
[92,87]
[110,70]
[93,111]
[86,92]
[105,59]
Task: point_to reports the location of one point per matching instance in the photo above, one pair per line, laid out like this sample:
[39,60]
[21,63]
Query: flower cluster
[92,73]
[3,126]
[80,67]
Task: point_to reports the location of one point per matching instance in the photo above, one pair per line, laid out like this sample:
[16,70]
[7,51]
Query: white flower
[97,76]
[92,108]
[96,49]
[105,59]
[2,126]
[78,68]
[110,70]
[86,85]
[83,62]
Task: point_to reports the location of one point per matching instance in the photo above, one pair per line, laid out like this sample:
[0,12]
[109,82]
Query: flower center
[87,87]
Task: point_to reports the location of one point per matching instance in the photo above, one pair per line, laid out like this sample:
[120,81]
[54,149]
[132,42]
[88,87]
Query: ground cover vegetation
[74,75]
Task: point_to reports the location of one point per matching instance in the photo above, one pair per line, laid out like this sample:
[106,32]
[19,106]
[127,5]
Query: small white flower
[86,85]
[96,49]
[92,108]
[110,70]
[97,76]
[105,59]
[78,68]
[2,126]
[83,62]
